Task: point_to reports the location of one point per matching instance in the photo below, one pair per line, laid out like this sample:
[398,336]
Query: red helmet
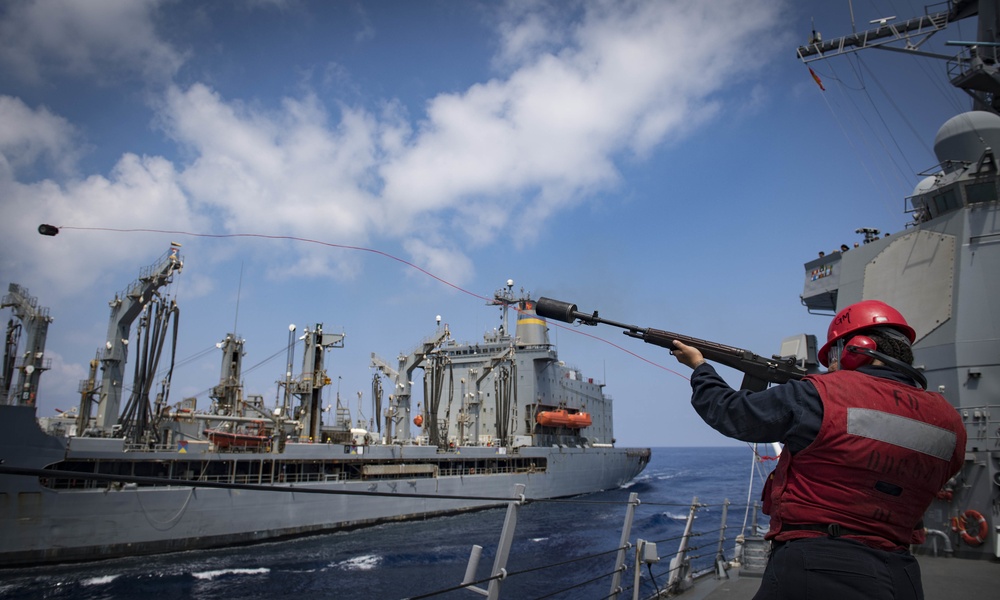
[862,315]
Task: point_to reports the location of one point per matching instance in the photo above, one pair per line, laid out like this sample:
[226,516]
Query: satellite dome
[964,137]
[926,184]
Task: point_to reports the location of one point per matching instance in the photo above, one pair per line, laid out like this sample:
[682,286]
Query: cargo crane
[125,308]
[309,386]
[398,413]
[34,323]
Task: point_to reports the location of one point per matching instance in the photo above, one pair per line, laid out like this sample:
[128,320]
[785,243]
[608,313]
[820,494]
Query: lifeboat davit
[562,418]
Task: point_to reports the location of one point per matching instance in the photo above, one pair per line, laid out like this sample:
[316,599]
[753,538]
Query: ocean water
[417,558]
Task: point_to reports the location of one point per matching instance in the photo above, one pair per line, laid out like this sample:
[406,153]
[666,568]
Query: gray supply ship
[941,272]
[153,476]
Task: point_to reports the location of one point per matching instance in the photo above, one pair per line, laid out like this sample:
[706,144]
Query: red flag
[817,79]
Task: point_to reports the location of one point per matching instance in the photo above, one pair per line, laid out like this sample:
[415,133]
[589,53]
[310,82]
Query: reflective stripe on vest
[901,431]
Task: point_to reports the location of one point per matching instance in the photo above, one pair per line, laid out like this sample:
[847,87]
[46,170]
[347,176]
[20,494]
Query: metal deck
[944,579]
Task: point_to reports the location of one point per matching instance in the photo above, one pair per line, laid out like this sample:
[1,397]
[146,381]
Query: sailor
[866,450]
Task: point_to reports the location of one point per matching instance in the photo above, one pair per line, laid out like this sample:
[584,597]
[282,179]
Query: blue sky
[671,164]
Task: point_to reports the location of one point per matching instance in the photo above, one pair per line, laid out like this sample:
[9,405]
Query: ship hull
[42,523]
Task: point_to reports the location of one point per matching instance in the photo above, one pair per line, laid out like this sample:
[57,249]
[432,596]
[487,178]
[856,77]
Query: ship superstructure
[941,271]
[512,390]
[165,475]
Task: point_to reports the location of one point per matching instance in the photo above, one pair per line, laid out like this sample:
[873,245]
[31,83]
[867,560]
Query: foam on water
[210,575]
[103,580]
[360,563]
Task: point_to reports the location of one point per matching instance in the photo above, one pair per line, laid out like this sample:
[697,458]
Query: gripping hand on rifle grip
[687,355]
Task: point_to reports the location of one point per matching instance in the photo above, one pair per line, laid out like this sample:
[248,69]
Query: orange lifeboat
[580,420]
[553,418]
[418,420]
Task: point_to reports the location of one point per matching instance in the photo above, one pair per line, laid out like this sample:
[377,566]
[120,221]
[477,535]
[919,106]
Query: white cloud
[441,259]
[631,76]
[495,161]
[284,172]
[140,192]
[96,39]
[530,28]
[27,136]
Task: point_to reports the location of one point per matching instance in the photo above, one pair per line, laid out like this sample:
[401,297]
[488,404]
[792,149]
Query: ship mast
[229,393]
[974,71]
[34,320]
[398,414]
[124,310]
[309,386]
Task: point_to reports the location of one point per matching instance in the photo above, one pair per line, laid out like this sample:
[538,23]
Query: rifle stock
[757,370]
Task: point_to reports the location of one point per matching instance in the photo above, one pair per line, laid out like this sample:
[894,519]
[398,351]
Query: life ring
[962,527]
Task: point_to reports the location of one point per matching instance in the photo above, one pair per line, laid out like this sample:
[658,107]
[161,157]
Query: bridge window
[977,193]
[945,202]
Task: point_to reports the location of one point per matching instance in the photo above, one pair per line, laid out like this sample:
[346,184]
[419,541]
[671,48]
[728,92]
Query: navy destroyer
[142,474]
[941,271]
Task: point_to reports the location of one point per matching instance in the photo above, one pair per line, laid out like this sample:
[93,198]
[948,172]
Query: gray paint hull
[41,525]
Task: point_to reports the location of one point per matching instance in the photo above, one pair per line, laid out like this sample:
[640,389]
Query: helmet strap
[893,363]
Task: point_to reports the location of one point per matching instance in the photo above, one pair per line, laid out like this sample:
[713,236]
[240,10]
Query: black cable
[522,572]
[572,587]
[688,560]
[245,371]
[566,562]
[649,569]
[455,588]
[53,473]
[194,357]
[573,501]
[881,118]
[675,538]
[684,504]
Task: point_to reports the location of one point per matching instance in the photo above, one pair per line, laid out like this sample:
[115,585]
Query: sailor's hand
[687,355]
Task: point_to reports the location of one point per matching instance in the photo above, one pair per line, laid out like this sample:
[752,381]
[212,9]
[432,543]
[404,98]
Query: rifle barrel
[567,313]
[759,370]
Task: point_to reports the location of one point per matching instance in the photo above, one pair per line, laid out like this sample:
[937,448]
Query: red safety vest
[882,453]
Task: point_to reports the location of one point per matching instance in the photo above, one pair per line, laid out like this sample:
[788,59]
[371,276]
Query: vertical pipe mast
[124,310]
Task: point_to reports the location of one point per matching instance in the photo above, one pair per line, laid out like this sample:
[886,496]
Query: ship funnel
[531,329]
